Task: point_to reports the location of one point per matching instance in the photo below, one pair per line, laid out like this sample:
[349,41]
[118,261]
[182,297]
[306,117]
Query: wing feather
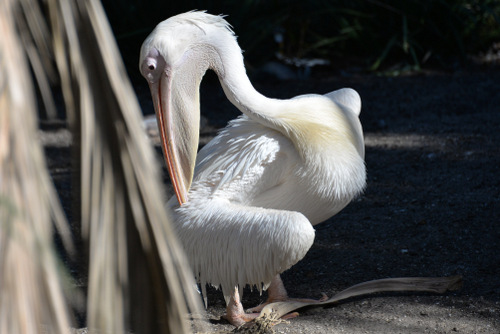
[228,243]
[228,240]
[241,151]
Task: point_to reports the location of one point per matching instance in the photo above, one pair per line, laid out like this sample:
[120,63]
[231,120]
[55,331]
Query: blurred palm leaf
[30,277]
[137,273]
[138,276]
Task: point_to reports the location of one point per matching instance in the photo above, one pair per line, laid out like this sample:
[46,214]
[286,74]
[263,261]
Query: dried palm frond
[36,41]
[31,294]
[138,277]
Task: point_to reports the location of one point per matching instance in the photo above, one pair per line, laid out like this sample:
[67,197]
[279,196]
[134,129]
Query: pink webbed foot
[235,313]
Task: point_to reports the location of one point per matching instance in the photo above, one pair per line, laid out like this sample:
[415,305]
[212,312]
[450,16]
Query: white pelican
[246,204]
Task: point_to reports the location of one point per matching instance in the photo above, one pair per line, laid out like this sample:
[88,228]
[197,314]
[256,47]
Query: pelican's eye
[151,63]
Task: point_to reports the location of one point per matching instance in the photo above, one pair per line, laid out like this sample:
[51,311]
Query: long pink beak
[178,123]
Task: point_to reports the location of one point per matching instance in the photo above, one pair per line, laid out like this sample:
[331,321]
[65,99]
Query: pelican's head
[173,59]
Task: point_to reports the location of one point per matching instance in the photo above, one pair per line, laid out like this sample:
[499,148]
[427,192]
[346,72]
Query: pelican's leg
[277,293]
[235,313]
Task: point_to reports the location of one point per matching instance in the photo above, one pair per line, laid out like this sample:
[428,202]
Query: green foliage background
[370,33]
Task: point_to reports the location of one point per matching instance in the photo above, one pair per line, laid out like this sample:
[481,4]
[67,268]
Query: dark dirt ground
[431,206]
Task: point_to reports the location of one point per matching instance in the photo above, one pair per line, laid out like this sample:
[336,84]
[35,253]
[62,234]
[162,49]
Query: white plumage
[261,184]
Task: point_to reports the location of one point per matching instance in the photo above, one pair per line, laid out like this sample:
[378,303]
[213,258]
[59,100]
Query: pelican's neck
[240,91]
